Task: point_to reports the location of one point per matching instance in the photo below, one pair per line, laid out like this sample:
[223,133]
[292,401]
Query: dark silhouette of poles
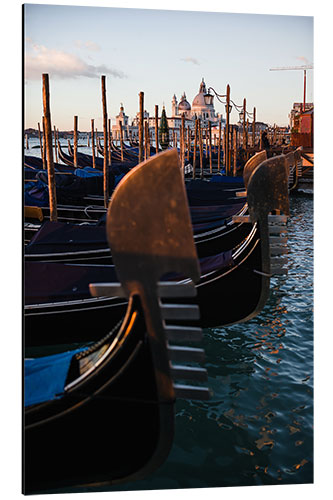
[105,156]
[49,149]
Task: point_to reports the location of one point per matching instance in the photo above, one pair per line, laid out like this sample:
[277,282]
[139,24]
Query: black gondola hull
[110,428]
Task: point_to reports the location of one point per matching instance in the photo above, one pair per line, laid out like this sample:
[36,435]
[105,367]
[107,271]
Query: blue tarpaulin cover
[44,378]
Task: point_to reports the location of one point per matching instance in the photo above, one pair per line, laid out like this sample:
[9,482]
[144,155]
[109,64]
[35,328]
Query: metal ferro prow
[268,192]
[268,189]
[252,164]
[150,234]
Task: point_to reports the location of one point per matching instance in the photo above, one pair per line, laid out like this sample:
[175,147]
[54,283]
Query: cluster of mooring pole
[235,144]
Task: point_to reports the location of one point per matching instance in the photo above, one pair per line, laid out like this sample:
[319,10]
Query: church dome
[184,105]
[199,100]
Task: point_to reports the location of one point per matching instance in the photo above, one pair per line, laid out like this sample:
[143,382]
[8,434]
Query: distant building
[302,126]
[296,111]
[202,107]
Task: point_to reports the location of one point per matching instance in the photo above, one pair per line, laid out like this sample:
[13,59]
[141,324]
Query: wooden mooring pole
[105,157]
[244,124]
[219,148]
[75,141]
[145,132]
[44,141]
[210,146]
[195,146]
[200,148]
[49,149]
[254,128]
[55,144]
[182,143]
[121,140]
[40,143]
[93,143]
[234,146]
[141,98]
[109,150]
[156,128]
[226,131]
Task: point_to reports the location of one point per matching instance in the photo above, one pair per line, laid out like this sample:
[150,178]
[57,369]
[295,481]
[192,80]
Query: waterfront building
[296,111]
[202,107]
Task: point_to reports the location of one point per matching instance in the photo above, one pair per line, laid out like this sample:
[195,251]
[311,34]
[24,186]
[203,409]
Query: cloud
[191,60]
[62,65]
[88,45]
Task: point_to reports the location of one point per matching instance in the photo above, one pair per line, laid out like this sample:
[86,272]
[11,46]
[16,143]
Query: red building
[302,131]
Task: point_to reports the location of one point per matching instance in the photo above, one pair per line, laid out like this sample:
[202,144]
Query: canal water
[257,429]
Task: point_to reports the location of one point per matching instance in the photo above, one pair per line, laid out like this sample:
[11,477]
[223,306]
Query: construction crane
[304,68]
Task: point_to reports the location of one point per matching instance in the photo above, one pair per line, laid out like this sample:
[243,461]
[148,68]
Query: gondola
[233,286]
[214,231]
[84,160]
[105,414]
[64,241]
[200,193]
[92,211]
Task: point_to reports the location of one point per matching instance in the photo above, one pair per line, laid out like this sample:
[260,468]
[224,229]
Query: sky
[161,52]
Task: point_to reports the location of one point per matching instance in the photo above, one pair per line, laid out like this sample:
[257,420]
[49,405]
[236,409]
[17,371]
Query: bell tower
[174,106]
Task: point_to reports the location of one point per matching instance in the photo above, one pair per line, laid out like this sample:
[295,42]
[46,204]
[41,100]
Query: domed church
[202,107]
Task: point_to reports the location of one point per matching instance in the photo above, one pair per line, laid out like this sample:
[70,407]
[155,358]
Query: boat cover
[45,377]
[47,282]
[65,237]
[70,189]
[54,237]
[228,180]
